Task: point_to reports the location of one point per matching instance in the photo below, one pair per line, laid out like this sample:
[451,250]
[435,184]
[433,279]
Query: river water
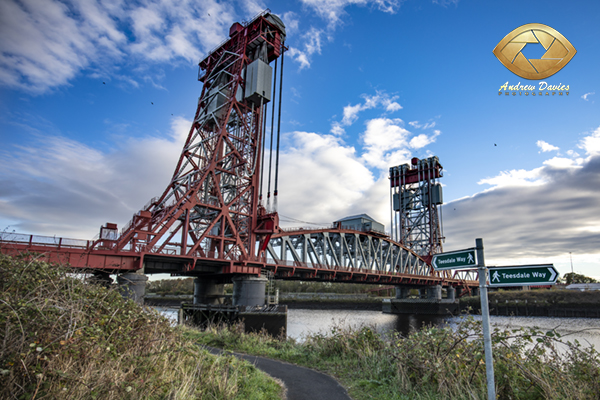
[304,322]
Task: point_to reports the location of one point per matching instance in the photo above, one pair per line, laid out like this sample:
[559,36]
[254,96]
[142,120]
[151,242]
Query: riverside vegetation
[63,338]
[433,363]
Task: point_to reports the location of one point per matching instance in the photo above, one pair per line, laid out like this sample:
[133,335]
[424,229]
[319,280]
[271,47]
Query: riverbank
[331,302]
[63,338]
[542,303]
[433,362]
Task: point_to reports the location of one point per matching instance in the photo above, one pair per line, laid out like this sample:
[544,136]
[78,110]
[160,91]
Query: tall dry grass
[61,337]
[435,362]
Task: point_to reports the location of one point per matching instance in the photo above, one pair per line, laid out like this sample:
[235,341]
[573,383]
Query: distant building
[361,222]
[584,286]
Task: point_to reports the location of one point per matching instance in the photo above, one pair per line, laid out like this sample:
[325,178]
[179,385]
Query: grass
[433,363]
[61,337]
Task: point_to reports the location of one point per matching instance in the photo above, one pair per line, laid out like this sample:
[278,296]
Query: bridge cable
[262,162]
[271,141]
[278,132]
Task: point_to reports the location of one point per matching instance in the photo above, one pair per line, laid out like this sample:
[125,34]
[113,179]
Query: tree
[572,277]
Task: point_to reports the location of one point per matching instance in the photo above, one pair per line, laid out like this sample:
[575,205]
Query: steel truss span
[347,255]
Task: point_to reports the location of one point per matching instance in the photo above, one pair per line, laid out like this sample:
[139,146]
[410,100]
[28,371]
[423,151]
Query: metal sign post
[485,315]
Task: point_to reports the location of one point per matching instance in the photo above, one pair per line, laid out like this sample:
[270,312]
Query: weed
[61,337]
[434,362]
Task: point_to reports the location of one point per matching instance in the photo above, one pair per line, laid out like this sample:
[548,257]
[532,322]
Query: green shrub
[61,337]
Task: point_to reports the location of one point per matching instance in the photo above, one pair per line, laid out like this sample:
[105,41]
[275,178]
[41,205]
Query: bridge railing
[302,229]
[44,241]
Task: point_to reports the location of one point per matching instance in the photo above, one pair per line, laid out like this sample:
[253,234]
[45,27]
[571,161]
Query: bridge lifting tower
[211,208]
[416,196]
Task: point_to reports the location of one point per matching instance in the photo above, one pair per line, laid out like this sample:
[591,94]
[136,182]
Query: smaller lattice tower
[416,196]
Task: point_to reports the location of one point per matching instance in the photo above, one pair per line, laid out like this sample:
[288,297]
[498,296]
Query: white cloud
[332,10]
[311,45]
[591,144]
[342,181]
[546,147]
[445,3]
[385,143]
[514,178]
[291,21]
[543,221]
[351,112]
[585,96]
[46,44]
[78,188]
[418,125]
[539,215]
[423,140]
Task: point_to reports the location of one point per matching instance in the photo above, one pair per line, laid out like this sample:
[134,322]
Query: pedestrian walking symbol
[470,259]
[496,277]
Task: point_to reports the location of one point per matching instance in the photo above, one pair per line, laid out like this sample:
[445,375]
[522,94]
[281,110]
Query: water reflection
[305,322]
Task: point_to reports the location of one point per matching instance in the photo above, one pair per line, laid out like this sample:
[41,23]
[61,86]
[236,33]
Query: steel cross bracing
[416,195]
[210,208]
[344,254]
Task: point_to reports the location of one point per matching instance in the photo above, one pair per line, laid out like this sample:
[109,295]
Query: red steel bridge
[213,221]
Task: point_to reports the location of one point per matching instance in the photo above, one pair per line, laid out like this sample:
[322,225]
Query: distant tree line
[185,286]
[171,286]
[572,277]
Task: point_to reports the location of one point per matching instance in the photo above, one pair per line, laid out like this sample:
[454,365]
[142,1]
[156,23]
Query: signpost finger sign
[523,275]
[454,259]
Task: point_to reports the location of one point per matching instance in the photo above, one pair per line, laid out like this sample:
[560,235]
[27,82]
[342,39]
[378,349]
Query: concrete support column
[451,293]
[475,291]
[249,291]
[402,292]
[133,286]
[208,291]
[434,292]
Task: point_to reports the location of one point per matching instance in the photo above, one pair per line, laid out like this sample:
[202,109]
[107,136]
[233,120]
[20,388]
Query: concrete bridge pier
[249,290]
[430,301]
[208,291]
[451,293]
[402,292]
[434,292]
[133,286]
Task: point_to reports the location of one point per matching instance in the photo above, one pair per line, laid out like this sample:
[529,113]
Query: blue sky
[96,98]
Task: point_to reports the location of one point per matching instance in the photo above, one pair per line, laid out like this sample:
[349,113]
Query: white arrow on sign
[552,274]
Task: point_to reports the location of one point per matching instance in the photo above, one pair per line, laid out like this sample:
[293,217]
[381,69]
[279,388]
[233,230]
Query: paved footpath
[301,383]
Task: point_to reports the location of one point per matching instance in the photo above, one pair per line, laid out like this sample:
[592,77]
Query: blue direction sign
[523,275]
[454,259]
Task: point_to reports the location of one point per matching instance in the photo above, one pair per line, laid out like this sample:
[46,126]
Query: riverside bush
[434,362]
[61,337]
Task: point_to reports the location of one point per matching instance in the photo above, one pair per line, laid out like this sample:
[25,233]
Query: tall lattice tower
[416,196]
[211,208]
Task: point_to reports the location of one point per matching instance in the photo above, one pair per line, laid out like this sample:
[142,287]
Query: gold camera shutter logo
[559,51]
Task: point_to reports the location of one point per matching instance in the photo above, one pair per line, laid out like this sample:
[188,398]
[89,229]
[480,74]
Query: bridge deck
[82,254]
